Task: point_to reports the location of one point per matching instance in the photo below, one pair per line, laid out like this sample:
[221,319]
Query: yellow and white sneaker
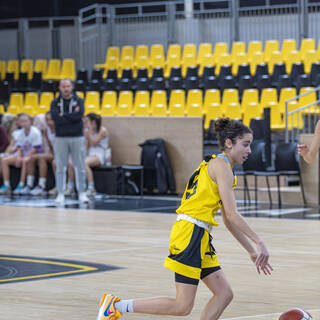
[107,309]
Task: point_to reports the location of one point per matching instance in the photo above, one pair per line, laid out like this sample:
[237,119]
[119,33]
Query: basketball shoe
[107,309]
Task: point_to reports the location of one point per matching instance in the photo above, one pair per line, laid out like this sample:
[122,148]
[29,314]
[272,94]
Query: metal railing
[309,119]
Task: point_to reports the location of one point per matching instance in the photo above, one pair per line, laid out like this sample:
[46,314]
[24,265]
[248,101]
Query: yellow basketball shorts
[190,250]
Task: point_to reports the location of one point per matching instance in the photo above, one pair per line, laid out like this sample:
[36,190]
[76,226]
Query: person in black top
[67,112]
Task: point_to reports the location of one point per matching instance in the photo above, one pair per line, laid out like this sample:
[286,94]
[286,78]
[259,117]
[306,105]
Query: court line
[263,315]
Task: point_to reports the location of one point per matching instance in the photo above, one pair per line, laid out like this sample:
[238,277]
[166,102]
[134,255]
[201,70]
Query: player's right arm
[309,154]
[222,174]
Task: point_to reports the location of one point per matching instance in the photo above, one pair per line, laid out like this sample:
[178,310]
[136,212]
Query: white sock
[91,185]
[124,306]
[71,185]
[42,183]
[21,184]
[30,181]
[7,184]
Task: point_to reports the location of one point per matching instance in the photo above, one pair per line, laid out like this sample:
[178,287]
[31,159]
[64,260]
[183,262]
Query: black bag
[157,168]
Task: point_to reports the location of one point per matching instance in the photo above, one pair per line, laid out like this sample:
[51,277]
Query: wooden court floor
[137,242]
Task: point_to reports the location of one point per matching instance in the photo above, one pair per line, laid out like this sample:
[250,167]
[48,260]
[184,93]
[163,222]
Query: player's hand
[261,259]
[303,149]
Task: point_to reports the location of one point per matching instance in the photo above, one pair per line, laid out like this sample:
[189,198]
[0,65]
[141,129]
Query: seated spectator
[97,141]
[28,142]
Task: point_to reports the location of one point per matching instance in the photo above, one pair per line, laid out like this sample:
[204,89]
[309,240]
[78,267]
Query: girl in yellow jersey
[191,253]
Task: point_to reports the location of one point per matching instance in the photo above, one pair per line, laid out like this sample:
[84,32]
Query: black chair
[10,79]
[210,82]
[80,86]
[208,71]
[158,84]
[4,92]
[112,74]
[263,82]
[157,72]
[283,82]
[94,85]
[175,83]
[82,74]
[127,74]
[191,83]
[228,82]
[303,81]
[110,84]
[142,84]
[261,70]
[224,71]
[36,81]
[97,74]
[142,73]
[192,71]
[256,166]
[22,83]
[287,164]
[243,70]
[49,86]
[245,82]
[296,70]
[125,84]
[314,74]
[279,69]
[175,72]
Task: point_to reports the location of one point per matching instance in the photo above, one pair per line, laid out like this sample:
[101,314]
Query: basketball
[296,314]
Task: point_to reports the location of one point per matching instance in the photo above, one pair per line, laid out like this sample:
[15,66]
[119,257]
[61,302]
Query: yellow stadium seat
[204,49]
[27,66]
[92,102]
[31,104]
[270,46]
[237,47]
[111,64]
[142,50]
[206,61]
[291,58]
[318,49]
[80,94]
[288,45]
[256,58]
[285,94]
[239,58]
[212,107]
[113,53]
[127,51]
[174,50]
[125,103]
[306,45]
[251,111]
[275,58]
[296,120]
[194,103]
[219,49]
[177,103]
[233,111]
[2,70]
[45,102]
[159,103]
[310,57]
[157,50]
[53,72]
[157,62]
[189,49]
[224,59]
[13,66]
[142,104]
[68,69]
[308,99]
[253,47]
[41,66]
[250,96]
[142,62]
[268,96]
[109,103]
[229,96]
[15,103]
[126,63]
[189,61]
[276,122]
[2,111]
[172,61]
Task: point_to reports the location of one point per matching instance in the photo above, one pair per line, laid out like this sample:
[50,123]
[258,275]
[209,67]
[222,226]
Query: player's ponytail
[226,128]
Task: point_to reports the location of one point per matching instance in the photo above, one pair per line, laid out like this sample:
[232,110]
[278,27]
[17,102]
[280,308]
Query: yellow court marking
[79,267]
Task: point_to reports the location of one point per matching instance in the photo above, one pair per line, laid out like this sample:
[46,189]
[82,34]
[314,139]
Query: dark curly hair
[96,118]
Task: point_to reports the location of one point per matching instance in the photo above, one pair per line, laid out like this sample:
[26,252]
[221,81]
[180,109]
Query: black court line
[21,268]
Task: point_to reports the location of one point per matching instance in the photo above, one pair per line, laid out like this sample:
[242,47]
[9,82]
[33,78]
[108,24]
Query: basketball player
[191,254]
[309,154]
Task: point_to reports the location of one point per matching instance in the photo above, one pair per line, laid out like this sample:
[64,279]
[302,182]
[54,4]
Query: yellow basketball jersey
[201,199]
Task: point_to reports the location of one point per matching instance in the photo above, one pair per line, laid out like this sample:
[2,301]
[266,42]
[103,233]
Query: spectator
[67,111]
[4,139]
[28,142]
[97,142]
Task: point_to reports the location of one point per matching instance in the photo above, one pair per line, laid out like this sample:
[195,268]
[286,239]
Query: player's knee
[184,309]
[227,295]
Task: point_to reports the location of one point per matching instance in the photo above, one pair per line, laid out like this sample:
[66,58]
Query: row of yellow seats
[52,70]
[31,103]
[139,58]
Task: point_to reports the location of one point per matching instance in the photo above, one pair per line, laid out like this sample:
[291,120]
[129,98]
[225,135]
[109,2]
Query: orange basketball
[296,314]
